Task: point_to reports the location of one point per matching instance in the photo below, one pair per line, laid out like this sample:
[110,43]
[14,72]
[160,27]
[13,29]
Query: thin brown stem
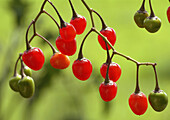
[90,11]
[143,6]
[53,49]
[22,69]
[51,18]
[28,46]
[62,22]
[80,55]
[156,79]
[152,13]
[137,90]
[104,26]
[73,10]
[15,68]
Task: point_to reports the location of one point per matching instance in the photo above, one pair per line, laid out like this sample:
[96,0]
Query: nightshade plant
[33,58]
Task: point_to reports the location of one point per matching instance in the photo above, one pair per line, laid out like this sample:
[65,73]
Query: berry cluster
[151,23]
[33,58]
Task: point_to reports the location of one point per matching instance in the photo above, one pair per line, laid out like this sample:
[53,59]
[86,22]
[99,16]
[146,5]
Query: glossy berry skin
[158,100]
[111,36]
[168,14]
[66,47]
[138,103]
[139,18]
[13,82]
[108,91]
[152,24]
[26,87]
[114,71]
[34,58]
[59,61]
[79,24]
[68,32]
[82,69]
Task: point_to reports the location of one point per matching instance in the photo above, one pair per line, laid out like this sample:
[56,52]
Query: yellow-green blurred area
[61,96]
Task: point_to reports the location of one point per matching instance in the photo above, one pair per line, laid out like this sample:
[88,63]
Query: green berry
[158,100]
[26,87]
[13,82]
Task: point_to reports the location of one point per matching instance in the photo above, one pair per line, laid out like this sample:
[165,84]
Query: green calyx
[152,24]
[158,100]
[13,82]
[26,87]
[139,18]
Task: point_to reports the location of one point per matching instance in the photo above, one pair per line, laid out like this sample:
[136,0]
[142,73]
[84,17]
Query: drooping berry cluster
[151,23]
[34,59]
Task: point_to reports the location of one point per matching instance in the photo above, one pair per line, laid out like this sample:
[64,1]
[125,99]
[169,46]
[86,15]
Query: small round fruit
[108,91]
[59,61]
[79,24]
[168,14]
[158,100]
[110,34]
[152,24]
[26,87]
[82,69]
[27,71]
[138,103]
[34,58]
[66,47]
[68,32]
[13,82]
[139,18]
[114,71]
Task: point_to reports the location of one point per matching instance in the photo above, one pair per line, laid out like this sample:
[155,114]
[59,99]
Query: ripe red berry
[34,58]
[111,36]
[68,32]
[67,48]
[168,14]
[79,24]
[138,103]
[82,69]
[108,91]
[114,71]
[59,61]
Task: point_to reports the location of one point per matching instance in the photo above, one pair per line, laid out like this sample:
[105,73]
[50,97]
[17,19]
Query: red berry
[114,71]
[138,103]
[79,24]
[111,36]
[168,14]
[68,33]
[34,58]
[67,48]
[108,91]
[82,69]
[59,61]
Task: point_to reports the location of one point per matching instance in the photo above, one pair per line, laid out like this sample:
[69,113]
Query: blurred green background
[59,95]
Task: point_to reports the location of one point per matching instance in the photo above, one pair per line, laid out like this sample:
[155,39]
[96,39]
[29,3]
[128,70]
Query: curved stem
[137,90]
[108,55]
[104,26]
[62,22]
[143,6]
[15,68]
[73,10]
[107,73]
[28,46]
[51,18]
[90,11]
[80,55]
[156,78]
[53,49]
[152,13]
[22,69]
